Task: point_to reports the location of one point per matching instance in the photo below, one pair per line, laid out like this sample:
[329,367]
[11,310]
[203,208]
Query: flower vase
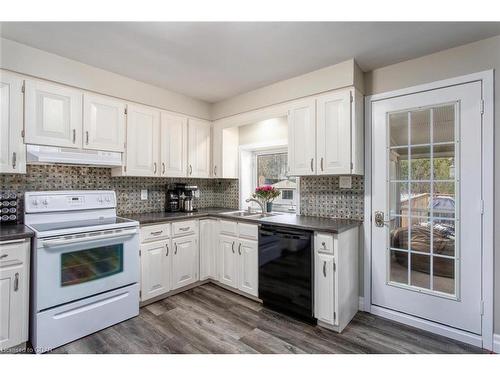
[269,206]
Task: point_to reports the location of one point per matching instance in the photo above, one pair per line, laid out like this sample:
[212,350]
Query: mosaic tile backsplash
[321,196]
[213,192]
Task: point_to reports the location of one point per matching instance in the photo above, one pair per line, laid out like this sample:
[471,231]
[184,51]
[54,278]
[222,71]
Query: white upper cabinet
[53,115]
[198,148]
[225,152]
[173,145]
[333,133]
[326,134]
[302,138]
[12,149]
[103,123]
[143,132]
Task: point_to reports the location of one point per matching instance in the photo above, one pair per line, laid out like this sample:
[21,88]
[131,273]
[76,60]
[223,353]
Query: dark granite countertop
[287,220]
[15,232]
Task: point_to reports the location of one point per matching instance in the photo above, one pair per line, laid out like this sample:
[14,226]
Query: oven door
[68,268]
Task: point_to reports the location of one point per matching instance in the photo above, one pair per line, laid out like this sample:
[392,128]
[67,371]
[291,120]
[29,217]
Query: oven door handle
[89,238]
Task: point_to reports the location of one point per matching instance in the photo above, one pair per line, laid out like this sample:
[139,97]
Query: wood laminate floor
[210,319]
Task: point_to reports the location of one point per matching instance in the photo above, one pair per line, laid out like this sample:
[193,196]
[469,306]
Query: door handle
[74,135]
[312,161]
[14,160]
[215,170]
[87,137]
[232,247]
[379,219]
[190,169]
[154,167]
[163,167]
[321,164]
[324,268]
[16,282]
[175,252]
[166,245]
[239,248]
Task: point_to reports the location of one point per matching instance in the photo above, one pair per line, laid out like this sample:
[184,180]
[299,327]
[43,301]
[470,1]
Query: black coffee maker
[181,198]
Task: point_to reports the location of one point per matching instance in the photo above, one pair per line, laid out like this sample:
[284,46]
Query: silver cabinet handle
[16,282]
[184,228]
[321,164]
[166,245]
[190,169]
[239,248]
[74,135]
[215,170]
[175,252]
[154,168]
[232,247]
[156,233]
[14,160]
[163,168]
[312,161]
[4,256]
[324,268]
[324,245]
[87,137]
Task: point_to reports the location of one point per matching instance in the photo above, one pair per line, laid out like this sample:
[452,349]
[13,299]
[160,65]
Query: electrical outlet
[144,194]
[345,182]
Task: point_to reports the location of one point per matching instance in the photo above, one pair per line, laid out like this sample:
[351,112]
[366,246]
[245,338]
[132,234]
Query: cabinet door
[198,148]
[228,261]
[324,288]
[12,305]
[103,123]
[53,115]
[155,268]
[12,149]
[225,152]
[173,145]
[185,261]
[248,278]
[302,138]
[208,260]
[143,130]
[333,140]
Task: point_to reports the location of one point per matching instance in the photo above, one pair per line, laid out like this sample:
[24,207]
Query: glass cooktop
[85,225]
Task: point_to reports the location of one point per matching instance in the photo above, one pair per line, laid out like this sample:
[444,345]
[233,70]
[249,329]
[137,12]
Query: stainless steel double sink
[250,215]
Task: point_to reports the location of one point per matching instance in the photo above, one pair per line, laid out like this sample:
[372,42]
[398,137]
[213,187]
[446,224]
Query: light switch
[345,182]
[144,194]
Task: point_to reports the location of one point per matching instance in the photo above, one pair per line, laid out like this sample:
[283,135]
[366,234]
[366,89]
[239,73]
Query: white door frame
[485,340]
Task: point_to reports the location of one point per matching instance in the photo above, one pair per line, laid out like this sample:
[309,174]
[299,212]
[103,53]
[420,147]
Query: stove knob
[108,199]
[34,202]
[99,199]
[45,202]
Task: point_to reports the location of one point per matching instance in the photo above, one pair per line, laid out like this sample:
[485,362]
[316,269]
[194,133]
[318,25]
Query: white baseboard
[361,304]
[496,343]
[433,327]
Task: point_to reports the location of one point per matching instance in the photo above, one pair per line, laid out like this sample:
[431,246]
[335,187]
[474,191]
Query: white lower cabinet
[185,261]
[336,294]
[208,246]
[14,292]
[238,259]
[156,262]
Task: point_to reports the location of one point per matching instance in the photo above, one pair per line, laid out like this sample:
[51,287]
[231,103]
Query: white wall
[262,132]
[23,59]
[466,59]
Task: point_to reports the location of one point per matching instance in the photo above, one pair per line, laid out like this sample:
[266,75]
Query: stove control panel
[49,201]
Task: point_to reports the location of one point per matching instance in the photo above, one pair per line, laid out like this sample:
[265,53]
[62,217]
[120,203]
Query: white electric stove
[85,272]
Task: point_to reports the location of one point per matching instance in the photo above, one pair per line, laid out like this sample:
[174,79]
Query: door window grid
[431,217]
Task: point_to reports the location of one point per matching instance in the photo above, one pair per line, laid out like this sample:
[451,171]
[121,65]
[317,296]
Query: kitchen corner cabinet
[14,292]
[198,148]
[53,115]
[326,134]
[103,123]
[12,148]
[142,151]
[208,246]
[336,294]
[238,256]
[173,145]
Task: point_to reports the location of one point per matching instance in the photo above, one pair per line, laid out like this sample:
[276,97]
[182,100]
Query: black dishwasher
[286,271]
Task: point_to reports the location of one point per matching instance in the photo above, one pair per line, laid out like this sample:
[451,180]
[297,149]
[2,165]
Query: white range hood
[62,155]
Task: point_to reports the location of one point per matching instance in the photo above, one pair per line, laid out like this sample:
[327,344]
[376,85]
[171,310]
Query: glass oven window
[82,266]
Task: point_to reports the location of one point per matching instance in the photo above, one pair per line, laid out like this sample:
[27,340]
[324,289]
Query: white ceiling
[213,61]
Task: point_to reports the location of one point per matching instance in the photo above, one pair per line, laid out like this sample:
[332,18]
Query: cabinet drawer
[249,231]
[182,228]
[155,232]
[229,228]
[13,253]
[323,243]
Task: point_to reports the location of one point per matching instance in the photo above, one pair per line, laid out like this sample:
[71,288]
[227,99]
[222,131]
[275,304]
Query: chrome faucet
[258,202]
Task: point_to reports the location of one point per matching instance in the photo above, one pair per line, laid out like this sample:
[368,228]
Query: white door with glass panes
[53,115]
[426,224]
[103,123]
